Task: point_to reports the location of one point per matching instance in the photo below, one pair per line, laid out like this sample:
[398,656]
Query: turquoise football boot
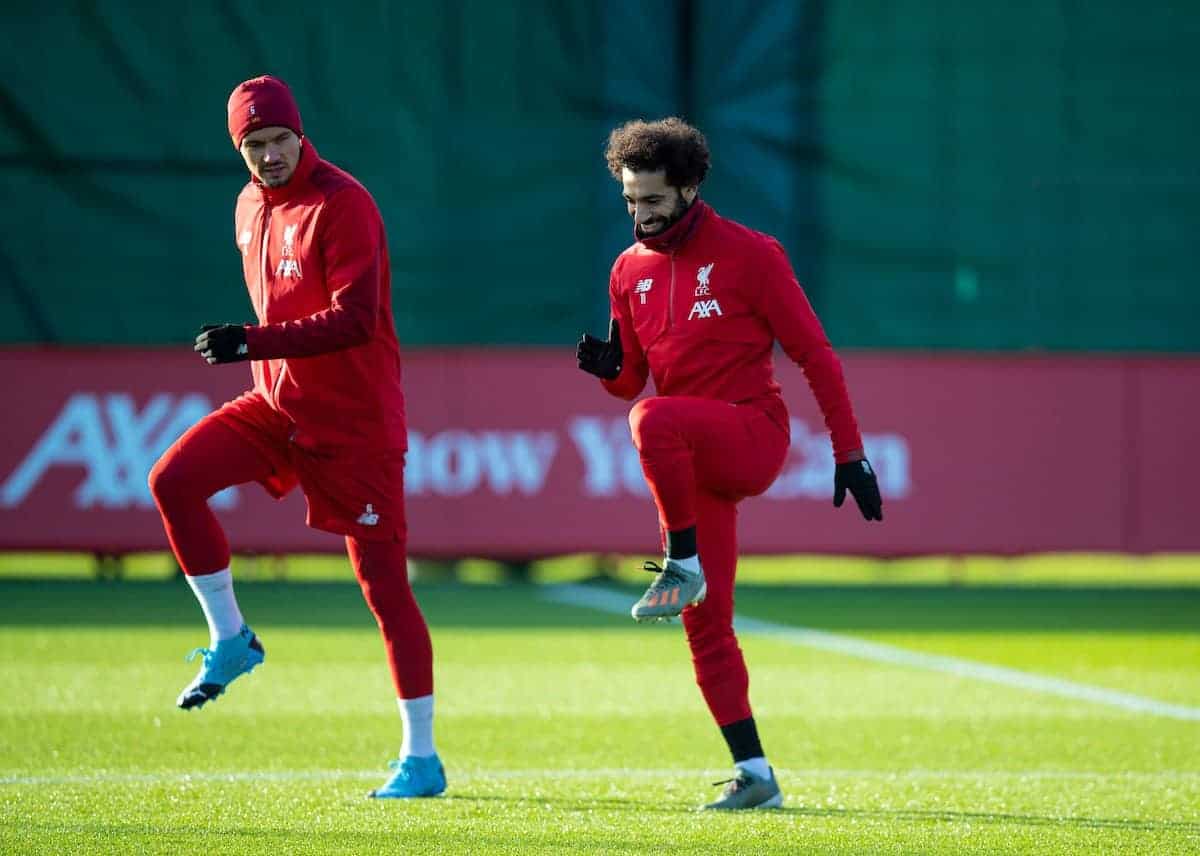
[414,777]
[231,658]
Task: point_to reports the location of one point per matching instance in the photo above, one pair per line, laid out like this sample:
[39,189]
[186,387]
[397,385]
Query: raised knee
[166,481]
[650,418]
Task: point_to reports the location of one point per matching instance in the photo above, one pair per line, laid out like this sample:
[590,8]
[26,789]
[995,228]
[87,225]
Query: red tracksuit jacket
[700,308]
[325,354]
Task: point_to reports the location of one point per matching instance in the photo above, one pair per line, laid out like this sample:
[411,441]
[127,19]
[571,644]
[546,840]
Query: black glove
[858,478]
[603,359]
[222,343]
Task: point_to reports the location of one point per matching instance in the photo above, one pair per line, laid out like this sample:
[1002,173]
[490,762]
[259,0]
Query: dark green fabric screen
[944,175]
[1015,175]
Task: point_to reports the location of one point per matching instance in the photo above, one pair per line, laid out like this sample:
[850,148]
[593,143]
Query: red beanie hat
[262,102]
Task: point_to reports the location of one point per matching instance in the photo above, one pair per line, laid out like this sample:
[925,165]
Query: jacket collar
[297,183]
[673,239]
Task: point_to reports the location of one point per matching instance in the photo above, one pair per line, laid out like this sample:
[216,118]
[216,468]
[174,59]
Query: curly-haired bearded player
[326,412]
[698,302]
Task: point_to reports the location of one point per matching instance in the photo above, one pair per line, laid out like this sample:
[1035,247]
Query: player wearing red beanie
[326,411]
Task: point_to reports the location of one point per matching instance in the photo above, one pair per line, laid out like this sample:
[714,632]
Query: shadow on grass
[915,815]
[639,806]
[1063,821]
[44,603]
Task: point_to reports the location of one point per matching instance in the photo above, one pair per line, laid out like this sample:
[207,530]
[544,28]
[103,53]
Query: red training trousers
[701,457]
[213,455]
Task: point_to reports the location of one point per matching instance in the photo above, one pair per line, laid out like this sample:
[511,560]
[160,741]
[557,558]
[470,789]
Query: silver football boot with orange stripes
[747,791]
[673,589]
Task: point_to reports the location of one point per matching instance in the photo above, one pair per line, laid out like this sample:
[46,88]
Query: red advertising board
[516,454]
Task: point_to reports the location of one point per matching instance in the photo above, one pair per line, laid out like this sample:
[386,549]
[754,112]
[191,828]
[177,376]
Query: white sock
[755,766]
[691,564]
[215,593]
[417,716]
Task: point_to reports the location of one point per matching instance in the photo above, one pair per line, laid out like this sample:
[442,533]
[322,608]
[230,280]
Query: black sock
[682,543]
[742,737]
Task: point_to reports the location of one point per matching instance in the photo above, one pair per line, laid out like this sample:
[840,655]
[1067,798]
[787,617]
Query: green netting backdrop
[946,175]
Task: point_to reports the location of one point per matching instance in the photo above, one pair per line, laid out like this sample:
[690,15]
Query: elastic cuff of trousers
[728,717]
[674,526]
[188,573]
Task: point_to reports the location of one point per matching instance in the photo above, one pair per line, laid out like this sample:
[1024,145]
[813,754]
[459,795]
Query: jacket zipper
[262,292]
[262,266]
[671,296]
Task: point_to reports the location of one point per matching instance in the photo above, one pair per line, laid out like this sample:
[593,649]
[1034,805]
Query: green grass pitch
[569,730]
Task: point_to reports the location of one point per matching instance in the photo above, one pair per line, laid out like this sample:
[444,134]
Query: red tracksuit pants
[701,457]
[212,456]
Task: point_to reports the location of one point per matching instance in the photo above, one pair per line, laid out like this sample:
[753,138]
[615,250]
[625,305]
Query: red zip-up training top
[324,352]
[700,308]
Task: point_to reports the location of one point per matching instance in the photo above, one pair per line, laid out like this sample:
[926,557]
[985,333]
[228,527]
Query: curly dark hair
[671,144]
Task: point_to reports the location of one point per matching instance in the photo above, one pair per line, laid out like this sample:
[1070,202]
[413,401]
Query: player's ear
[689,193]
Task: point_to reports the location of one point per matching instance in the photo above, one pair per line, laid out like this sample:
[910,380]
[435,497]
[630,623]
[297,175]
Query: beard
[276,178]
[659,225]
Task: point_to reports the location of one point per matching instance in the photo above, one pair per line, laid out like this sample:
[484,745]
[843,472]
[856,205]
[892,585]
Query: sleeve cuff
[850,456]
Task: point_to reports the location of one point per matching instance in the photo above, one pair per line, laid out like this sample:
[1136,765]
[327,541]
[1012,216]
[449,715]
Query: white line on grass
[571,774]
[607,600]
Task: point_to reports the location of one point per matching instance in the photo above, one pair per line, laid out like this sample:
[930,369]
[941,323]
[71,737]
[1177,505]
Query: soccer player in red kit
[326,412]
[698,303]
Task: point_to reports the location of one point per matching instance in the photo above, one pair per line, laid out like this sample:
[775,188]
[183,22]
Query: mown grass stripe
[607,600]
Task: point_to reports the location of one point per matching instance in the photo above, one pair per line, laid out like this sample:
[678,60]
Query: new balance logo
[642,287]
[704,309]
[368,517]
